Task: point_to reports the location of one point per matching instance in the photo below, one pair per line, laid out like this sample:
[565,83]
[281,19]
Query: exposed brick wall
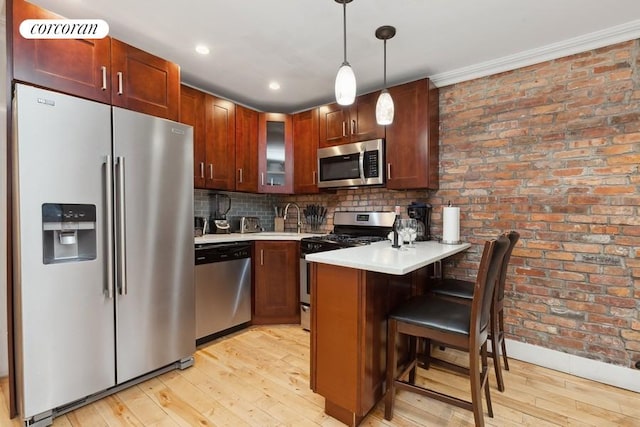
[553,151]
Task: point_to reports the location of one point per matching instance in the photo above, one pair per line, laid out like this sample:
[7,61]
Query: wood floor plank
[260,377]
[116,413]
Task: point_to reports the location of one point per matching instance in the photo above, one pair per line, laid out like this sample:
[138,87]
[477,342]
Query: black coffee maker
[422,213]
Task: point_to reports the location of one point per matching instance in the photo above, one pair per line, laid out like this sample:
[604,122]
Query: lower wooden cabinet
[276,290]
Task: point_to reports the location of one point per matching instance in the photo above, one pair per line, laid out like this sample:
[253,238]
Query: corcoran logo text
[64,29]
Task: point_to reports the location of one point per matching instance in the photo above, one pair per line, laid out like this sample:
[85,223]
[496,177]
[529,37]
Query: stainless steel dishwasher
[223,289]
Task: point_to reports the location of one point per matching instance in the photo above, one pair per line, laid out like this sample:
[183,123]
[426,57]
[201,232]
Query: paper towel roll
[450,225]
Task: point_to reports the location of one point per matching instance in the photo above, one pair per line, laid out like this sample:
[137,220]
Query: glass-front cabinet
[275,153]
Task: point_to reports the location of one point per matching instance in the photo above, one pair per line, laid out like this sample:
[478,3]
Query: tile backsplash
[242,204]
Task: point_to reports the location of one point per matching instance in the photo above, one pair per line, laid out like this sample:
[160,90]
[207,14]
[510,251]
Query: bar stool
[463,289]
[455,324]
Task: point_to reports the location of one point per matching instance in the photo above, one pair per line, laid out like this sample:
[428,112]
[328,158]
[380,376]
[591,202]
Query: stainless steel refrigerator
[103,258]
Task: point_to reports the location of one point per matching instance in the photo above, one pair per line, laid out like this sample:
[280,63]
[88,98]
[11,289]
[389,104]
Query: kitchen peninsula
[352,290]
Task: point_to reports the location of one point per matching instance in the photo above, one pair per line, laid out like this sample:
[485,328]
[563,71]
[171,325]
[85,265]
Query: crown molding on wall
[595,40]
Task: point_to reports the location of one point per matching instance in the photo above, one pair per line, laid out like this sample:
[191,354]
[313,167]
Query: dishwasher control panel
[207,253]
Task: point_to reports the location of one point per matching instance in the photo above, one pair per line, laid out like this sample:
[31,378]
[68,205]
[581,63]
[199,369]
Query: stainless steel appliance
[351,165]
[223,289]
[250,224]
[421,212]
[103,250]
[219,223]
[350,229]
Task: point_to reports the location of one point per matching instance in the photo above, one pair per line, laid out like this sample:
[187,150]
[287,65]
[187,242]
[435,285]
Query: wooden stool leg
[391,369]
[413,354]
[485,378]
[504,346]
[476,384]
[495,349]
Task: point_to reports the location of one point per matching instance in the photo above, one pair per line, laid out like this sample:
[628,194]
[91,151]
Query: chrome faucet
[286,210]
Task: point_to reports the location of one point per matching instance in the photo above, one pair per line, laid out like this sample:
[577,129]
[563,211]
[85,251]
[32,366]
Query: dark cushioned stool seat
[436,313]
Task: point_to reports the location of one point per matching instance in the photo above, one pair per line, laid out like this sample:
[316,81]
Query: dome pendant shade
[384,108]
[345,85]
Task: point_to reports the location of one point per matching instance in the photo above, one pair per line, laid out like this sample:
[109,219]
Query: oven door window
[345,166]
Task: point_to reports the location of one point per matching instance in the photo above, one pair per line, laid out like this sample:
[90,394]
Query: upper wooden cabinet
[305,152]
[192,113]
[246,149]
[220,143]
[144,82]
[412,138]
[78,67]
[352,123]
[275,153]
[104,70]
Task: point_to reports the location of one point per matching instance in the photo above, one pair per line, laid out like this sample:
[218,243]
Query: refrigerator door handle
[109,224]
[122,254]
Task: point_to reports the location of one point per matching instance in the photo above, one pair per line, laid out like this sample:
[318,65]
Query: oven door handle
[361,165]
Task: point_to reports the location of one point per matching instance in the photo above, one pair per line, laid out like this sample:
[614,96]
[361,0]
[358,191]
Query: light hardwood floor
[260,377]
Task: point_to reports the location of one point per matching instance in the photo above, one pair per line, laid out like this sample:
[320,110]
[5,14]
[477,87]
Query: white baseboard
[606,373]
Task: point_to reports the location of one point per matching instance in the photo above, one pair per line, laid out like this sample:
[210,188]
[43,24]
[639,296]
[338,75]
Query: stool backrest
[513,236]
[488,273]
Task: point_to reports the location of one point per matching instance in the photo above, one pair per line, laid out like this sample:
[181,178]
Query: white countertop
[265,235]
[382,258]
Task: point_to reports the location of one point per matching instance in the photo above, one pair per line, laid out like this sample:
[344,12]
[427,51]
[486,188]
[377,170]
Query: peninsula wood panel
[348,342]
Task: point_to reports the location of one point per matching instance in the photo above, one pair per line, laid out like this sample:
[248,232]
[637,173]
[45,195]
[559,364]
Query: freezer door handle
[120,205]
[109,224]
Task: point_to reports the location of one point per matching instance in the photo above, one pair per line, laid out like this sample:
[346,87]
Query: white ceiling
[299,42]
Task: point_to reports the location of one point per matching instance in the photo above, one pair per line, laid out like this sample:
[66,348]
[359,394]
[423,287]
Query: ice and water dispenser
[68,232]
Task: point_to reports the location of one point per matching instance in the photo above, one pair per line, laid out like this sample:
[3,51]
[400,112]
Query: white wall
[3,196]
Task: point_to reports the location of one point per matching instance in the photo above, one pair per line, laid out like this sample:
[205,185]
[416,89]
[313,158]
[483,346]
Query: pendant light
[345,80]
[384,106]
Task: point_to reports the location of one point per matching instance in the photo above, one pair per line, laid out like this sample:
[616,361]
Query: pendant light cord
[385,63]
[344,27]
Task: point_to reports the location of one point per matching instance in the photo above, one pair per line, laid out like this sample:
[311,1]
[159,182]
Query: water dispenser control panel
[68,232]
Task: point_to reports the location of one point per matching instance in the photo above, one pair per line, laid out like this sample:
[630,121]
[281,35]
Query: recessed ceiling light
[202,49]
[274,85]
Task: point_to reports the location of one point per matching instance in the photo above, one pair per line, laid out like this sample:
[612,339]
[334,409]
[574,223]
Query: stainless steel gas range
[349,229]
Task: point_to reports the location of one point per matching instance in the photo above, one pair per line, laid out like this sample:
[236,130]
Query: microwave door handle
[361,164]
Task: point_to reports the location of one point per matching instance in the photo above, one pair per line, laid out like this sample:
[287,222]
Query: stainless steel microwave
[351,165]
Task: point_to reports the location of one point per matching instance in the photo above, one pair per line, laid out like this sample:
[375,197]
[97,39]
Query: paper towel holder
[457,233]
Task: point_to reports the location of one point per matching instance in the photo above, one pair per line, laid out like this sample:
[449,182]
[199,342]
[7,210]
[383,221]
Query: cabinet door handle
[104,77]
[210,170]
[261,256]
[202,170]
[119,74]
[344,128]
[240,175]
[262,178]
[314,177]
[353,127]
[388,170]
